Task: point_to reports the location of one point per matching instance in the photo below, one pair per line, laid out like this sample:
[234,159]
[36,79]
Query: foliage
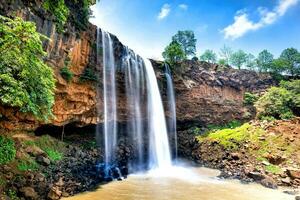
[264,60]
[53,154]
[222,62]
[80,18]
[7,150]
[66,73]
[294,88]
[225,53]
[51,146]
[229,138]
[187,41]
[25,80]
[291,58]
[229,125]
[28,165]
[209,56]
[174,53]
[89,75]
[59,9]
[250,62]
[275,102]
[249,98]
[238,58]
[12,194]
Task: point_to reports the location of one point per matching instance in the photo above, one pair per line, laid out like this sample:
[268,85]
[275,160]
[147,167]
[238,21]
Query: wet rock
[54,193]
[286,180]
[294,173]
[43,160]
[269,182]
[297,198]
[29,193]
[257,176]
[34,151]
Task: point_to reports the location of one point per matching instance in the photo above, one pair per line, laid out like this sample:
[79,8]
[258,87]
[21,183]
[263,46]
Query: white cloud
[242,24]
[164,11]
[183,6]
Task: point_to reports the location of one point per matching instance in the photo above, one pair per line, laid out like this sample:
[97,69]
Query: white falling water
[134,86]
[159,149]
[171,108]
[110,100]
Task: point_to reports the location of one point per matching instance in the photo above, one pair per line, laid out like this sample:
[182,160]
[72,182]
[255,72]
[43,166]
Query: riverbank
[260,151]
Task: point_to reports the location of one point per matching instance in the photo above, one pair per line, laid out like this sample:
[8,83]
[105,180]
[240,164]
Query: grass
[51,146]
[28,165]
[274,169]
[7,150]
[231,138]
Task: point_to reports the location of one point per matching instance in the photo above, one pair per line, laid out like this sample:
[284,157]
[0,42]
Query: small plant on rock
[7,150]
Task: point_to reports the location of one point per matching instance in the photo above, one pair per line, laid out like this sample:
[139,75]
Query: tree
[291,56]
[222,61]
[26,81]
[264,61]
[174,53]
[278,66]
[250,62]
[187,41]
[209,56]
[238,58]
[226,53]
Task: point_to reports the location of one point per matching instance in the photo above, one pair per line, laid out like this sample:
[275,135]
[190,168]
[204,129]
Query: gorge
[129,127]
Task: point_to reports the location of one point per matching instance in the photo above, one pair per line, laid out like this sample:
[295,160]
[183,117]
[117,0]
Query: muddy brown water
[181,184]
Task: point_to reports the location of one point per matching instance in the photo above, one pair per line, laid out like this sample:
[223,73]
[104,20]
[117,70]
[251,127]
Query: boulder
[43,160]
[294,173]
[257,176]
[54,193]
[297,198]
[29,193]
[34,151]
[269,182]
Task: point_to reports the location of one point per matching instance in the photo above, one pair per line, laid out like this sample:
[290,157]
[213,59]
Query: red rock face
[204,94]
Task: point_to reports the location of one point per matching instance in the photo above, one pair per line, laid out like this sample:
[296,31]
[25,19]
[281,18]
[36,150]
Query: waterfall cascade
[146,117]
[172,110]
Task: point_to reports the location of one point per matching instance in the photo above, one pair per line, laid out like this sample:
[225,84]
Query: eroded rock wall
[204,92]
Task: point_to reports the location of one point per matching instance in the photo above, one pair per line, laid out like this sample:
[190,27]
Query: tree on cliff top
[187,41]
[291,57]
[26,81]
[209,56]
[174,53]
[238,59]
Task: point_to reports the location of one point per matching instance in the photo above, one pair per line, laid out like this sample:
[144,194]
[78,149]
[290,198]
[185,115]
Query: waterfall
[133,67]
[144,106]
[159,150]
[172,109]
[110,99]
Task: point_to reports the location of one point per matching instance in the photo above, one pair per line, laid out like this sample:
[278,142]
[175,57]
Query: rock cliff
[205,93]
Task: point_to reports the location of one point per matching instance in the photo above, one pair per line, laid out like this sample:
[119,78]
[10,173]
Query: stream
[181,183]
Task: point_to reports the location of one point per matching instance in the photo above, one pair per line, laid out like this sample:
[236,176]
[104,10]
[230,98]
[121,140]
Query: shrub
[276,103]
[88,75]
[58,9]
[28,165]
[249,98]
[66,73]
[230,125]
[7,150]
[53,154]
[294,88]
[25,80]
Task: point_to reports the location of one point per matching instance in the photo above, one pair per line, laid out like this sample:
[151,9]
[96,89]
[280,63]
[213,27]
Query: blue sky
[147,26]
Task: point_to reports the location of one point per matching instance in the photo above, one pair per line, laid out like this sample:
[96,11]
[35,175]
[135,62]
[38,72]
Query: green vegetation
[51,146]
[12,194]
[230,138]
[209,56]
[7,150]
[238,59]
[66,73]
[249,98]
[174,53]
[229,125]
[264,60]
[280,102]
[187,41]
[59,9]
[27,165]
[54,155]
[274,169]
[88,75]
[26,81]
